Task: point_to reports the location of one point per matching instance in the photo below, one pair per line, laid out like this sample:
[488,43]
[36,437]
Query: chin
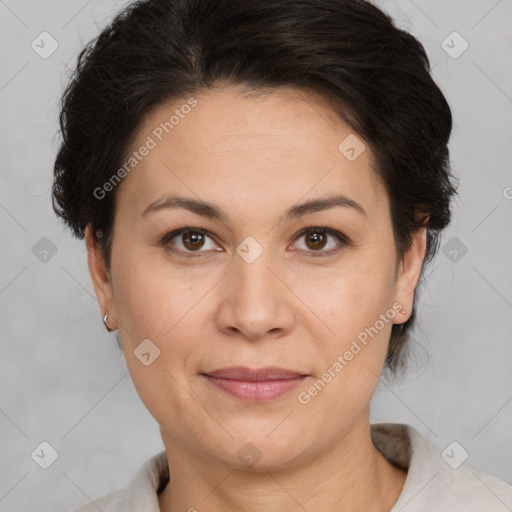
[265,448]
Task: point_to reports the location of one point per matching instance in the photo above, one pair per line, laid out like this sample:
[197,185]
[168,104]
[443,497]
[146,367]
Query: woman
[260,185]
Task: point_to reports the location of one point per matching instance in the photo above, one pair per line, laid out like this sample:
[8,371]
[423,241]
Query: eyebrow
[209,210]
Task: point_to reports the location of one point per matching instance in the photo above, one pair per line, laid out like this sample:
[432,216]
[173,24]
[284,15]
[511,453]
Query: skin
[255,157]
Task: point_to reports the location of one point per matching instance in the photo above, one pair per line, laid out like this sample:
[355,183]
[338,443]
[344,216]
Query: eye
[317,239]
[188,240]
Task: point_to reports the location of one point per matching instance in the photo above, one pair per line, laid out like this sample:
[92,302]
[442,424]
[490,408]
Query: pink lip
[255,385]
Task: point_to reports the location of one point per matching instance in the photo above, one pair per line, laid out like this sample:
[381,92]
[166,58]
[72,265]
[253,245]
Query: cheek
[357,307]
[153,304]
[353,358]
[361,292]
[151,299]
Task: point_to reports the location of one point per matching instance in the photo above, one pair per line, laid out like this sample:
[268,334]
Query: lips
[254,374]
[255,384]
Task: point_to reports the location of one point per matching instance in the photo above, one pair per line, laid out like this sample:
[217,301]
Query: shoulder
[141,493]
[111,502]
[467,489]
[438,480]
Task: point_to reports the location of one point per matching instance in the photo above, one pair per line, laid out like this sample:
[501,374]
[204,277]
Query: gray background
[63,378]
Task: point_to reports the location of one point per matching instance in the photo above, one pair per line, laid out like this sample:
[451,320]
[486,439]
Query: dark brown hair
[375,76]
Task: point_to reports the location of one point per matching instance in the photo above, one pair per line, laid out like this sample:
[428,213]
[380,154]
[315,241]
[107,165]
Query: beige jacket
[436,482]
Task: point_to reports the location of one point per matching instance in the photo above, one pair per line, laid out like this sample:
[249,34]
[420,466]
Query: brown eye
[321,240]
[192,240]
[189,240]
[316,240]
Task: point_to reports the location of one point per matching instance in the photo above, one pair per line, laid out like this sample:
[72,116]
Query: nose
[256,302]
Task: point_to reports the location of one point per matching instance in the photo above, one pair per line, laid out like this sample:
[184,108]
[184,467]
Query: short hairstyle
[375,76]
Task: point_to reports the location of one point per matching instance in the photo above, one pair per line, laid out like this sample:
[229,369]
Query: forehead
[248,150]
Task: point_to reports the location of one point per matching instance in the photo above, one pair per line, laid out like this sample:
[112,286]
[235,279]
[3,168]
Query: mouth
[255,384]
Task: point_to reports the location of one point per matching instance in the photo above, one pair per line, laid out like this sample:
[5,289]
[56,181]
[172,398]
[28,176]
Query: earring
[105,320]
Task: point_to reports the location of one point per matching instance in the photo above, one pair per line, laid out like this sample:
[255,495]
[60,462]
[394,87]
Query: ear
[409,272]
[100,278]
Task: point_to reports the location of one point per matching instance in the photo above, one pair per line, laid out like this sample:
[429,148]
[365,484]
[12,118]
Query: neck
[351,475]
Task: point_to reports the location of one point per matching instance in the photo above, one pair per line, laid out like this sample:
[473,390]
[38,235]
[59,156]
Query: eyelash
[344,241]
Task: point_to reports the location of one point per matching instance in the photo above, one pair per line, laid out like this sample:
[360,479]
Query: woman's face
[256,290]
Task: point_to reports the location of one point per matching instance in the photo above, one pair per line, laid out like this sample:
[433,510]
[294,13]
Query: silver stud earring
[105,320]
